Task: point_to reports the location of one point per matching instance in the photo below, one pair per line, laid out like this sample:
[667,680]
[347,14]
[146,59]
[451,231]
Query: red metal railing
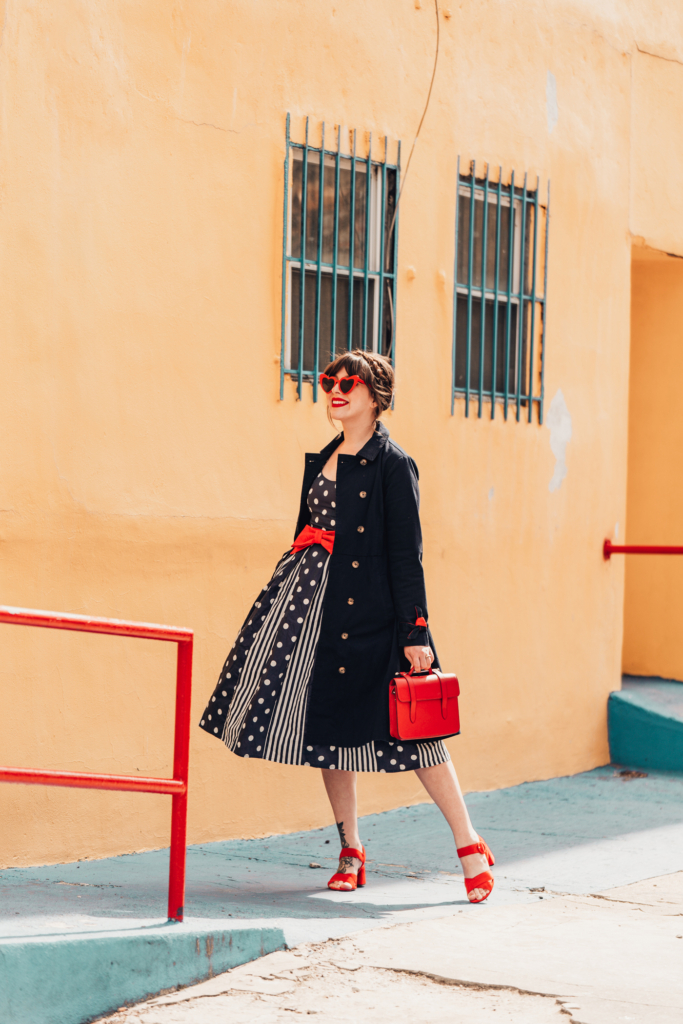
[175,787]
[609,549]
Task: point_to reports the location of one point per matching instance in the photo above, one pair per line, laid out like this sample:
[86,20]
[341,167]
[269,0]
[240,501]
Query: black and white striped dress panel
[245,663]
[286,735]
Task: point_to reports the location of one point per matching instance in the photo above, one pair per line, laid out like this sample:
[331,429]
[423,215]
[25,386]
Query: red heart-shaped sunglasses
[346,384]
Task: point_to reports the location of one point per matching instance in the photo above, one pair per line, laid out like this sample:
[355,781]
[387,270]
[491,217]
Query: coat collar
[369,451]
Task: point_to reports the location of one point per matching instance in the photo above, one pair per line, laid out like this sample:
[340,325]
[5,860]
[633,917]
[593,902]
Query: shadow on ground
[271,878]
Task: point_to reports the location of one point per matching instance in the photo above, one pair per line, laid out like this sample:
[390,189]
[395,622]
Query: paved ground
[570,916]
[601,959]
[335,983]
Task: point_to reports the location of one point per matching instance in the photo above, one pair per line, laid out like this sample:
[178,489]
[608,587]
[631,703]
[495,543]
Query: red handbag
[424,707]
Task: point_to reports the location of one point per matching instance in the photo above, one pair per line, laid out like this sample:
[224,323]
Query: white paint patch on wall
[559,423]
[552,109]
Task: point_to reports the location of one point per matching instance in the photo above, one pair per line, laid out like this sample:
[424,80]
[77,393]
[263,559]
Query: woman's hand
[420,657]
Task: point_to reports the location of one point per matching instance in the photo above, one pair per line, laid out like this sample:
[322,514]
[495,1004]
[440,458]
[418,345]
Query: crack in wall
[659,56]
[208,124]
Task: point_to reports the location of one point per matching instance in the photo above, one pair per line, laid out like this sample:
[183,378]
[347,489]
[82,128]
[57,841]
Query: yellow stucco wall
[657,113]
[653,605]
[149,470]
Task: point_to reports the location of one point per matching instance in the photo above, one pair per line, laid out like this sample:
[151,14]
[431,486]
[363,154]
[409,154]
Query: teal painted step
[76,978]
[645,721]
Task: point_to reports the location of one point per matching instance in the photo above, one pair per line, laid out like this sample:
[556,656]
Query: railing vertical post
[181,760]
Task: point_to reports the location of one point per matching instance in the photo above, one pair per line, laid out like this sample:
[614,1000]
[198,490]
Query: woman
[307,681]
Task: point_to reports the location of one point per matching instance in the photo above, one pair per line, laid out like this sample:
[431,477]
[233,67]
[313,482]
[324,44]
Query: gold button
[361,529]
[363,494]
[355,564]
[363,462]
[342,670]
[350,601]
[345,636]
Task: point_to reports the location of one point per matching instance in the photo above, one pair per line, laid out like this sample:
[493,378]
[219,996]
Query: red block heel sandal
[485,879]
[355,881]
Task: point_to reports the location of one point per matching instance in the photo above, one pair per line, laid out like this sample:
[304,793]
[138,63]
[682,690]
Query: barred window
[501,245]
[339,256]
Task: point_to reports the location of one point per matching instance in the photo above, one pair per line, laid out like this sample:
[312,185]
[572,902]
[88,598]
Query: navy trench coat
[374,595]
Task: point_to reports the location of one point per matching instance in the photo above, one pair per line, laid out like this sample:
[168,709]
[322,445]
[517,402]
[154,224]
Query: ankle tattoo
[342,834]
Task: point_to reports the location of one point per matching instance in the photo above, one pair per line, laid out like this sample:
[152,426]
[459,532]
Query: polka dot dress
[259,706]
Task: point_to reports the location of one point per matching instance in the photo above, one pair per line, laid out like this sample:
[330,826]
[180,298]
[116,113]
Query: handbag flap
[425,687]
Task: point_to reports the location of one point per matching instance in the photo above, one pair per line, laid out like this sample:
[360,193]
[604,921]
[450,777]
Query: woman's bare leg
[341,792]
[441,782]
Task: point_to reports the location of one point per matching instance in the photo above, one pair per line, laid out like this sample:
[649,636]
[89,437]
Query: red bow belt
[309,535]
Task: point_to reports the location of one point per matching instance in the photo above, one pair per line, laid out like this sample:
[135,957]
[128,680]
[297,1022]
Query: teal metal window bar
[339,255]
[499,315]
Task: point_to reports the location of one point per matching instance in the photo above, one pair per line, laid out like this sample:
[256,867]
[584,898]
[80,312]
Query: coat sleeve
[404,550]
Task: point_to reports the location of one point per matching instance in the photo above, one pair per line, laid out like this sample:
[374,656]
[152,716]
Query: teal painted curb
[644,734]
[73,979]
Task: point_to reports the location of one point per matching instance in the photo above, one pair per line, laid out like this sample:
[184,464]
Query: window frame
[375,239]
[520,291]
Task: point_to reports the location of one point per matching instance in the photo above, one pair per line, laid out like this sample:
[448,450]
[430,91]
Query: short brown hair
[373,369]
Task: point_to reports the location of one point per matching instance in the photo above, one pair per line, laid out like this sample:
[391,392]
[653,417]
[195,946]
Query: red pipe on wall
[609,549]
[175,787]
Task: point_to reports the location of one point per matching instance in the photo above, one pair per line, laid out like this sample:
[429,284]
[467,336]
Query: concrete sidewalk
[573,836]
[589,960]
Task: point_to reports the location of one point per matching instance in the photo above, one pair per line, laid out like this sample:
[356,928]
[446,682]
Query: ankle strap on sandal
[465,851]
[348,851]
